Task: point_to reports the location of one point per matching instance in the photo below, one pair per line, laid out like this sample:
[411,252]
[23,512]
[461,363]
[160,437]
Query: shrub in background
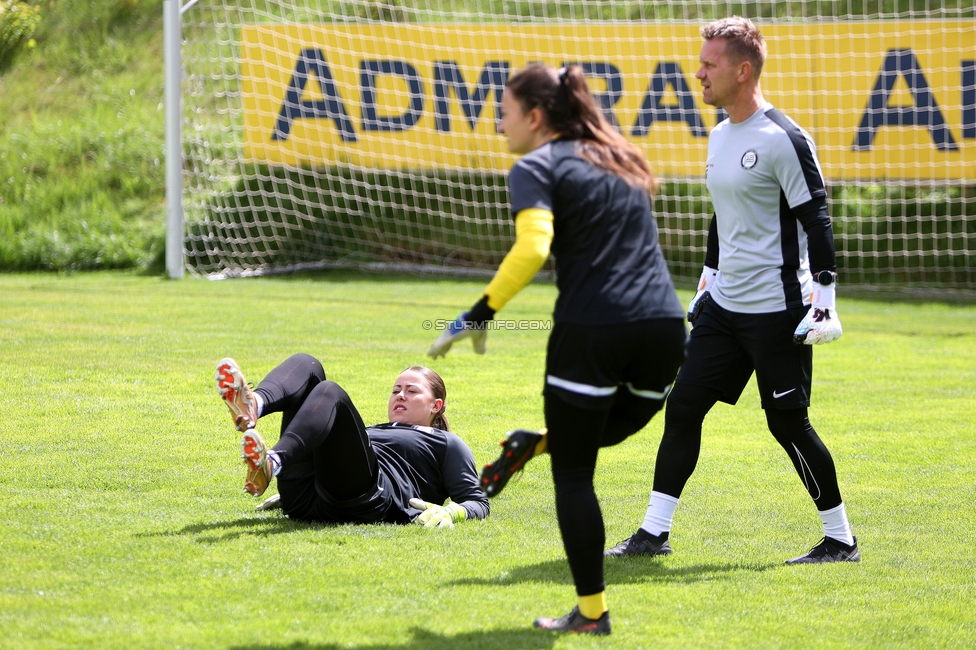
[18,20]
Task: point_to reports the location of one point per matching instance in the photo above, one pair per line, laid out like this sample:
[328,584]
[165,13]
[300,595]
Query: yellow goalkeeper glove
[435,516]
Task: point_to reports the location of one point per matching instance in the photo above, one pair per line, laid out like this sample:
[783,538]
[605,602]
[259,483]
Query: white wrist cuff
[823,297]
[707,278]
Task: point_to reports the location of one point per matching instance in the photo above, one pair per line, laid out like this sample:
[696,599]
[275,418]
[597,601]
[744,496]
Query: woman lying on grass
[330,467]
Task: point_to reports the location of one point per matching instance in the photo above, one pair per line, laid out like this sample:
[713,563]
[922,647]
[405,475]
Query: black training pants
[575,437]
[681,444]
[320,428]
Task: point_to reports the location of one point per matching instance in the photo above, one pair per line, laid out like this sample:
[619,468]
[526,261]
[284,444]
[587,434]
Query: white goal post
[362,134]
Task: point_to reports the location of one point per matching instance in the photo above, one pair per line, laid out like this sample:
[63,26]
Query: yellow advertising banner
[880,99]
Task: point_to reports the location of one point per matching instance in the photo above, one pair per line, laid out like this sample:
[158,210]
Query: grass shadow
[521,638]
[220,531]
[636,570]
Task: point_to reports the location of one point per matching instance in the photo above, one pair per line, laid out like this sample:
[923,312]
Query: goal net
[363,134]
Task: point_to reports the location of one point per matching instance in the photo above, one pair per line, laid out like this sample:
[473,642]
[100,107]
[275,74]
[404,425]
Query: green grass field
[124,524]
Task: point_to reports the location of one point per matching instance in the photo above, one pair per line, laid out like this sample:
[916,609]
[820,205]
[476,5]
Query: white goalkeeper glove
[704,286]
[469,325]
[435,516]
[461,328]
[821,324]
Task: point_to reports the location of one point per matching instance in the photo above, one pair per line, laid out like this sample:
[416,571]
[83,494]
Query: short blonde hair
[745,41]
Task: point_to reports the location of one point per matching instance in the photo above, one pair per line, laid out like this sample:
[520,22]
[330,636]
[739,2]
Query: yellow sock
[542,445]
[594,605]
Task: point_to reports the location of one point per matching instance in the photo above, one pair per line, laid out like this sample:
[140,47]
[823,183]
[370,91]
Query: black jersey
[609,265]
[413,462]
[429,464]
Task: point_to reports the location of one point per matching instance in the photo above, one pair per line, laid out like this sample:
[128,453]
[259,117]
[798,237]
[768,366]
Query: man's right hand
[704,287]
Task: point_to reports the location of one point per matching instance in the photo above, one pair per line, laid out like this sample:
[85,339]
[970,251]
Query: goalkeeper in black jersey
[582,192]
[330,467]
[766,294]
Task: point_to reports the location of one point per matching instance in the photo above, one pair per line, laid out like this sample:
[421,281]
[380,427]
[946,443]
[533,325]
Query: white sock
[259,401]
[275,462]
[836,525]
[660,512]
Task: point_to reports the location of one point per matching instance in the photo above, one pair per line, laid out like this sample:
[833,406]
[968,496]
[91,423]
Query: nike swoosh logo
[806,471]
[785,392]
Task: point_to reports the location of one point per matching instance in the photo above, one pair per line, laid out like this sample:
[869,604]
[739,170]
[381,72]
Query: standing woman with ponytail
[330,467]
[582,192]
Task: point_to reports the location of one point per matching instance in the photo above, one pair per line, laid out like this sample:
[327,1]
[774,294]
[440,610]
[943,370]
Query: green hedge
[18,21]
[884,234]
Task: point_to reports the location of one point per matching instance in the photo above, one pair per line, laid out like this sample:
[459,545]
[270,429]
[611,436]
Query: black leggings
[319,421]
[681,444]
[575,437]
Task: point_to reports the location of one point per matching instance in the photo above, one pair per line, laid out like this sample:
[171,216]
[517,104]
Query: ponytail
[598,142]
[571,110]
[440,420]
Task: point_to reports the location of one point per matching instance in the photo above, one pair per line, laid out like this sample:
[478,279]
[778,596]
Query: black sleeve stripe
[808,163]
[792,292]
[812,214]
[712,245]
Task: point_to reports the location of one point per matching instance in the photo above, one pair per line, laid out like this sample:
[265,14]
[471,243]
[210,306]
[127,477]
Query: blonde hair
[745,41]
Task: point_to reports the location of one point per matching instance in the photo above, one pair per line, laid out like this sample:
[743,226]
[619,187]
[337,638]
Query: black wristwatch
[825,278]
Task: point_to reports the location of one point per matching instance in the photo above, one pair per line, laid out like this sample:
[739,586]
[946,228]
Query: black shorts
[304,500]
[727,347]
[587,365]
